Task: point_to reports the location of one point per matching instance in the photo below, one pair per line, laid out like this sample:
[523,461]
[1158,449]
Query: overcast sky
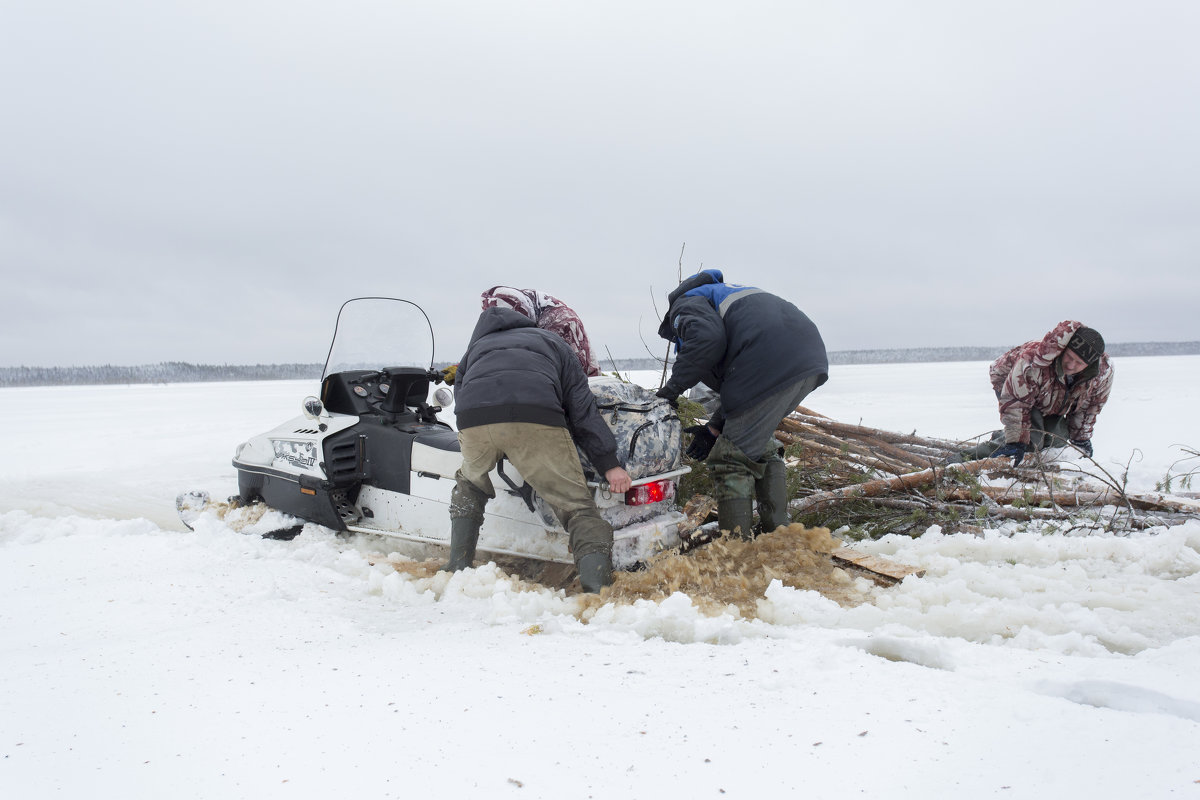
[207,180]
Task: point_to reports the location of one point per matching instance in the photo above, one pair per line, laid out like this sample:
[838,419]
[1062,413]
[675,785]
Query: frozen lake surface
[144,660]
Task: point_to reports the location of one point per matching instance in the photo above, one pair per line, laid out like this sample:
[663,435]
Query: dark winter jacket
[1031,376]
[738,340]
[515,372]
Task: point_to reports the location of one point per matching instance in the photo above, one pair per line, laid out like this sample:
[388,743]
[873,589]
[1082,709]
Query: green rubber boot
[982,450]
[464,535]
[734,515]
[595,571]
[734,474]
[771,492]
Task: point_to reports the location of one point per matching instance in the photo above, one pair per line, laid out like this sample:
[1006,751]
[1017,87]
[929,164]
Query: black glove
[702,442]
[1085,445]
[668,395]
[1016,450]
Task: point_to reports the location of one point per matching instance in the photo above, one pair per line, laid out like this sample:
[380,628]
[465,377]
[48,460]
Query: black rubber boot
[982,450]
[595,571]
[464,535]
[771,491]
[733,516]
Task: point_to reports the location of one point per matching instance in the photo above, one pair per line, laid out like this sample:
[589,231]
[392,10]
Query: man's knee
[733,472]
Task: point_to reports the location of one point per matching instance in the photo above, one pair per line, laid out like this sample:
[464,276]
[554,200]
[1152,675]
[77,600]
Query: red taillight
[647,493]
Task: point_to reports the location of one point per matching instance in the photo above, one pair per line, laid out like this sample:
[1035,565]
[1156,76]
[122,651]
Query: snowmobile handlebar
[407,387]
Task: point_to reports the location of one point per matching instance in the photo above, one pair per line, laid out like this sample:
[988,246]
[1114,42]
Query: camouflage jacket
[1031,376]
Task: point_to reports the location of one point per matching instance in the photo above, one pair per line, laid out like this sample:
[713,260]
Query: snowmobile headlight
[312,407]
[444,396]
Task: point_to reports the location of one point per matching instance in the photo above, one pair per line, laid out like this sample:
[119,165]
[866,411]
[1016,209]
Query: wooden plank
[882,570]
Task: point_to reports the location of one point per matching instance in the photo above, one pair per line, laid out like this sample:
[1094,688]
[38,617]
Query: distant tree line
[165,372]
[928,354]
[183,372]
[921,355]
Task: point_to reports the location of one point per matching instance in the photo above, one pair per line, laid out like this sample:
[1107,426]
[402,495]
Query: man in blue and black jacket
[763,356]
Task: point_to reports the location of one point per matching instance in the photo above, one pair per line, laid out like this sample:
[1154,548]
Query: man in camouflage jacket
[1050,392]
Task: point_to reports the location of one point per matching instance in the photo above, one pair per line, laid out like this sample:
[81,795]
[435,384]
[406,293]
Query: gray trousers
[752,429]
[546,457]
[747,441]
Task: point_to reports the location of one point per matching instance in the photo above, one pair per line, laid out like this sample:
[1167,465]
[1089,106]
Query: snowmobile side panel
[381,453]
[299,495]
[424,517]
[436,461]
[405,515]
[385,454]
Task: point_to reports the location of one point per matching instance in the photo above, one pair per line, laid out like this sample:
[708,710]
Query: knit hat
[1088,344]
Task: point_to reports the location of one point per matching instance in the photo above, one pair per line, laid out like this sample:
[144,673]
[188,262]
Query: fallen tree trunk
[902,481]
[1108,496]
[964,510]
[911,480]
[848,429]
[875,446]
[841,448]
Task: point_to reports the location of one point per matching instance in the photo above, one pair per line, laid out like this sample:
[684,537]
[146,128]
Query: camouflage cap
[1088,344]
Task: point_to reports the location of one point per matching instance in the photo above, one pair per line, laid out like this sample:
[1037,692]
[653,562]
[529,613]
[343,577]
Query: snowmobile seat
[439,437]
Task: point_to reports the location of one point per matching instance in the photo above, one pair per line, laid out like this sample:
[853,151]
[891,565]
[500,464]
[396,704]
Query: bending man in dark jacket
[521,394]
[763,356]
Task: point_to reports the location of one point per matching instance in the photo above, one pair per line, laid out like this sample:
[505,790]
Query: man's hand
[448,374]
[1015,450]
[1084,445]
[668,395]
[703,440]
[618,480]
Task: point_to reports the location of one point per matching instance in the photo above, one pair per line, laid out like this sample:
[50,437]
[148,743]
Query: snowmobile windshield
[377,332]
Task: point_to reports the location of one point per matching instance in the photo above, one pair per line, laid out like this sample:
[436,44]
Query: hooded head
[522,301]
[702,277]
[1088,344]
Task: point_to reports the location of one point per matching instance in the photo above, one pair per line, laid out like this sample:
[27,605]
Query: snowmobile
[377,453]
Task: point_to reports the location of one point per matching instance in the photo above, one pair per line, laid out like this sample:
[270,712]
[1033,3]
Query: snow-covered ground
[144,660]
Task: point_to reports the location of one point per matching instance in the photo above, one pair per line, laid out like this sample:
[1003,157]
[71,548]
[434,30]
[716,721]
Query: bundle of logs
[885,482]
